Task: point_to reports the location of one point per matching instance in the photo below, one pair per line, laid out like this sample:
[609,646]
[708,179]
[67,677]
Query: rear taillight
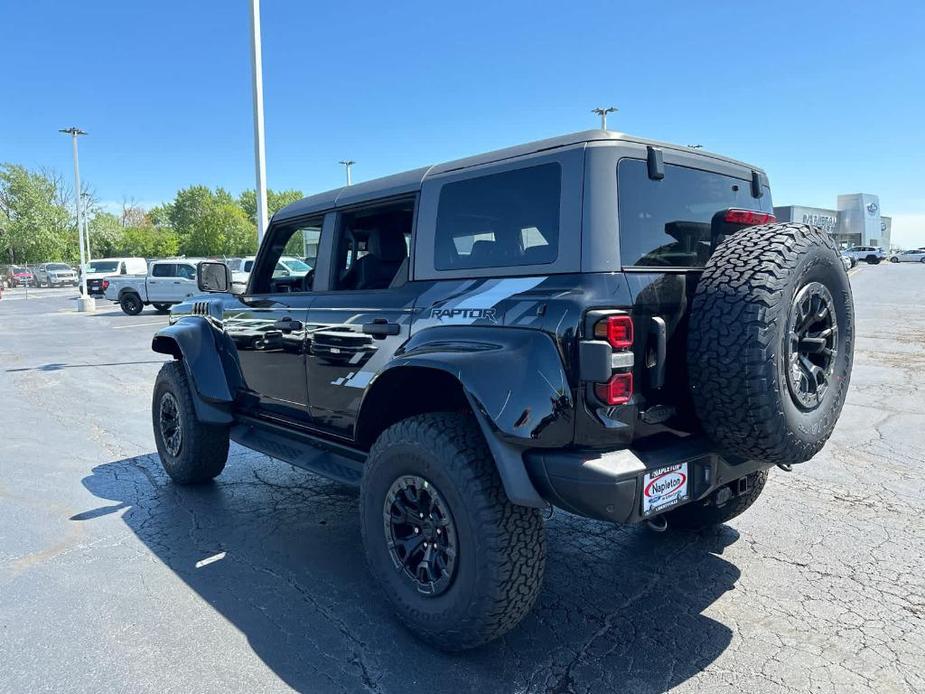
[617,330]
[617,391]
[749,217]
[105,284]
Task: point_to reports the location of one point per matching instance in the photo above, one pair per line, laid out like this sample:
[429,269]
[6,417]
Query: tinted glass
[57,266]
[104,266]
[666,223]
[187,272]
[504,219]
[164,270]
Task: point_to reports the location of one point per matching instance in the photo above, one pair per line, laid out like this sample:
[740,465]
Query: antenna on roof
[602,112]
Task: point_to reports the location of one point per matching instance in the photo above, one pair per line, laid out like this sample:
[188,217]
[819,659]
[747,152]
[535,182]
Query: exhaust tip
[658,524]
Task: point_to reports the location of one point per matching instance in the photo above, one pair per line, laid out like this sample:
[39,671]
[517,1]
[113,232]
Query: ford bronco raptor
[601,323]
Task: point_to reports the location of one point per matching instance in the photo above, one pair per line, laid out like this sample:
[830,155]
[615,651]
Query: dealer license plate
[664,488]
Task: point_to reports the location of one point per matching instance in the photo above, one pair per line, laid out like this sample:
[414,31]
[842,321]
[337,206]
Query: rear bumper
[608,485]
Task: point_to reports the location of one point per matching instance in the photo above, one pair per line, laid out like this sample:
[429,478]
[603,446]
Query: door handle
[381,327]
[287,324]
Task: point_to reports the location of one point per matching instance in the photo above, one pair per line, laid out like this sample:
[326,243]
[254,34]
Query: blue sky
[829,97]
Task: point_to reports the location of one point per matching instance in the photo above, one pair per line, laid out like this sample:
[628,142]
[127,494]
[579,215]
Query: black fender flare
[192,341]
[515,383]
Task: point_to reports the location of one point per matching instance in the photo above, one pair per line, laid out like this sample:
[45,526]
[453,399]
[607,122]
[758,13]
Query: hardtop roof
[410,181]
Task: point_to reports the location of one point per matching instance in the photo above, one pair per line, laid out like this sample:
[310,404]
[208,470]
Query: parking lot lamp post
[259,143]
[347,164]
[85,303]
[602,112]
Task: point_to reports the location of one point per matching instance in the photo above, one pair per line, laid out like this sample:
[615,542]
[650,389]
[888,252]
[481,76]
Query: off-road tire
[131,303]
[162,308]
[501,547]
[705,513]
[203,448]
[738,342]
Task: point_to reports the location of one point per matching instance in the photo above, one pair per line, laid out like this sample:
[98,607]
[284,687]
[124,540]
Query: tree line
[38,221]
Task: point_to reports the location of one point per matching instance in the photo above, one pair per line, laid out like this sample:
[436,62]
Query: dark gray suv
[605,324]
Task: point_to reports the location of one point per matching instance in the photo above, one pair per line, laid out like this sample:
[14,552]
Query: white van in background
[100,268]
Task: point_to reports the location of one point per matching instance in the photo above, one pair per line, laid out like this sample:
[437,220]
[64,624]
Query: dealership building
[856,221]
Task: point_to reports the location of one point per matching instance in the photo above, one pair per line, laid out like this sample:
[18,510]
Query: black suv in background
[613,326]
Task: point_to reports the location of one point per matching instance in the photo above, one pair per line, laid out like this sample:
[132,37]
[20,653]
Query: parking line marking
[137,325]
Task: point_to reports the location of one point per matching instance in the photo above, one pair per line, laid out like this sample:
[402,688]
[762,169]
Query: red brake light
[749,217]
[617,391]
[105,284]
[617,330]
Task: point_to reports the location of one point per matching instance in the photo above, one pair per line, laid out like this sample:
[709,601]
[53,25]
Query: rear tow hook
[658,524]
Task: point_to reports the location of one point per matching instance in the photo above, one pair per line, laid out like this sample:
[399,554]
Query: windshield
[103,266]
[59,266]
[295,265]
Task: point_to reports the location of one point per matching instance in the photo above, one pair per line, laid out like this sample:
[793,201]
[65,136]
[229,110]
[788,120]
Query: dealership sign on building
[856,221]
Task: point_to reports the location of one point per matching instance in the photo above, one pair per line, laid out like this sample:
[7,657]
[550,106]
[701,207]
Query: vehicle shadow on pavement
[277,552]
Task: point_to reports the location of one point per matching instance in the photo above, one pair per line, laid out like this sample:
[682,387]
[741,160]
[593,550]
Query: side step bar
[302,450]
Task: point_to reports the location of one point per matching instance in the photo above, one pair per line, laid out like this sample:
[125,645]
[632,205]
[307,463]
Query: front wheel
[460,564]
[131,304]
[191,452]
[894,260]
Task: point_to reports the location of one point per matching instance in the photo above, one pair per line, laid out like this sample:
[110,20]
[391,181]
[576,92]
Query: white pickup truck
[168,282]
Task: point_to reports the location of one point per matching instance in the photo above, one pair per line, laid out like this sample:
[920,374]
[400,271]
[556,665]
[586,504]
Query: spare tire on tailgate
[771,342]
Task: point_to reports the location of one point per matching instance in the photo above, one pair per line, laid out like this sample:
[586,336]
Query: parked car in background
[166,282]
[852,261]
[20,276]
[871,254]
[287,266]
[103,268]
[916,255]
[55,275]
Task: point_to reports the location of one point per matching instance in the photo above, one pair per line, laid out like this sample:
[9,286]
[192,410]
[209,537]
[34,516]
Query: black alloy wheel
[812,345]
[169,421]
[420,534]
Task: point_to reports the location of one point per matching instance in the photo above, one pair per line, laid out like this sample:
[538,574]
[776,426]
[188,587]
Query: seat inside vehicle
[374,248]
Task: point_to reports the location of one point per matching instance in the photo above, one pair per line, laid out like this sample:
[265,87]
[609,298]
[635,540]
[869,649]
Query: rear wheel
[459,562]
[162,308]
[894,259]
[131,304]
[771,342]
[191,452]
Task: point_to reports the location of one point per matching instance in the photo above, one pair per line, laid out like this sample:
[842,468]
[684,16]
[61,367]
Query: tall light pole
[347,164]
[259,145]
[85,302]
[602,112]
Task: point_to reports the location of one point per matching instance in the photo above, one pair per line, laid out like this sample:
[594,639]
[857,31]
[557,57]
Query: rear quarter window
[666,222]
[499,220]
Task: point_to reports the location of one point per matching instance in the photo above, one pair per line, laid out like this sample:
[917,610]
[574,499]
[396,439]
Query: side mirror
[213,276]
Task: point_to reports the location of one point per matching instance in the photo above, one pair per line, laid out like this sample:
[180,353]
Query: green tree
[276,200]
[150,242]
[106,235]
[35,226]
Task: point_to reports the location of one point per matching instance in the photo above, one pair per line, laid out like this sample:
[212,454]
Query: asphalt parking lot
[111,578]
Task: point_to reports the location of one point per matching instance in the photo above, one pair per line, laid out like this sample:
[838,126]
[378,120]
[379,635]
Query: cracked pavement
[111,578]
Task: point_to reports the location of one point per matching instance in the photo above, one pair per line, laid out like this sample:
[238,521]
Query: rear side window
[500,220]
[164,270]
[666,222]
